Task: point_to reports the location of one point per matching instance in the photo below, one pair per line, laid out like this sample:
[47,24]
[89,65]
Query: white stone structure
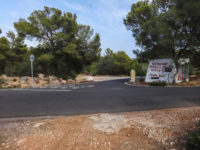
[183,70]
[161,70]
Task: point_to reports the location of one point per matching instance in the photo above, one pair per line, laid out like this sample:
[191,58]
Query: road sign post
[31,60]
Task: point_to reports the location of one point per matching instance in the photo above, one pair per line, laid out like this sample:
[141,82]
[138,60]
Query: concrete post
[132,73]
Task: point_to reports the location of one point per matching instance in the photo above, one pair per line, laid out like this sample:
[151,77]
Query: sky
[104,16]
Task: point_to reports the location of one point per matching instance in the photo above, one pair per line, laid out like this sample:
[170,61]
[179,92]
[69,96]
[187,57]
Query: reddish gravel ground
[157,129]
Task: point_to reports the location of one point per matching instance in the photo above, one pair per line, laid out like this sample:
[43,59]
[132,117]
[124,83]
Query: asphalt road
[101,97]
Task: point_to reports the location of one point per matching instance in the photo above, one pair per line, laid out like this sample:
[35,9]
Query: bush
[198,72]
[158,83]
[194,71]
[2,81]
[118,63]
[91,70]
[140,71]
[14,79]
[193,141]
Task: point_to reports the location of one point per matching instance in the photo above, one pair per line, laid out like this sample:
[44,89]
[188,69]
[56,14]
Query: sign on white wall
[161,70]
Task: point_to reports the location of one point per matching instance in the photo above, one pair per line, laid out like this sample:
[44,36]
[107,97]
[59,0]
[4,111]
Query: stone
[24,79]
[4,77]
[21,141]
[38,124]
[41,76]
[63,81]
[89,78]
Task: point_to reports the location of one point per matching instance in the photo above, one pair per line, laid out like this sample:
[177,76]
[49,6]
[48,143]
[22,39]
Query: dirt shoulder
[157,129]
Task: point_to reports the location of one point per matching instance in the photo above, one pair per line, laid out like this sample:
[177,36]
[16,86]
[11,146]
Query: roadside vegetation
[166,29]
[118,63]
[159,83]
[193,141]
[2,81]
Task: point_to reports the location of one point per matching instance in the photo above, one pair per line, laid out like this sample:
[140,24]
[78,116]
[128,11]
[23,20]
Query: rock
[63,82]
[3,144]
[36,80]
[7,146]
[24,79]
[4,77]
[41,76]
[56,82]
[15,85]
[21,141]
[109,124]
[89,78]
[38,124]
[70,81]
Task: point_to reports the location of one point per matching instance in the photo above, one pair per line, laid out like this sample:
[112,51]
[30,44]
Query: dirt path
[158,129]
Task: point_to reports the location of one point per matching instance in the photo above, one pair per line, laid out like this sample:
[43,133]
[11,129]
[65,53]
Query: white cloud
[76,7]
[111,13]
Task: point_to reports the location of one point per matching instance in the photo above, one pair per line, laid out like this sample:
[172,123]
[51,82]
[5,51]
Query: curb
[146,86]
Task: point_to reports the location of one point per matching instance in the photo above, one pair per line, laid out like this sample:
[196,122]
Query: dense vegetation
[166,28]
[64,48]
[118,63]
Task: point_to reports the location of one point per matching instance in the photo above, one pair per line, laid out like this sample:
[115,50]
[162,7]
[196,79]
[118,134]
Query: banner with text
[161,70]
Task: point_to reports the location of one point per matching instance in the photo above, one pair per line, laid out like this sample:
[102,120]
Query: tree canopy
[118,63]
[66,45]
[166,28]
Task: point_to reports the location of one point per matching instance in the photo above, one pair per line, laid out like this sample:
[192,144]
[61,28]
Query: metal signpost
[32,58]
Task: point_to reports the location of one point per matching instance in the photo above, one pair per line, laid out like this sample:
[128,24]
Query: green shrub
[158,83]
[194,71]
[91,69]
[193,141]
[14,79]
[2,81]
[140,70]
[197,72]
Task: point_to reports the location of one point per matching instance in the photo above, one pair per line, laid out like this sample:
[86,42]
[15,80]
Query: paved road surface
[101,97]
